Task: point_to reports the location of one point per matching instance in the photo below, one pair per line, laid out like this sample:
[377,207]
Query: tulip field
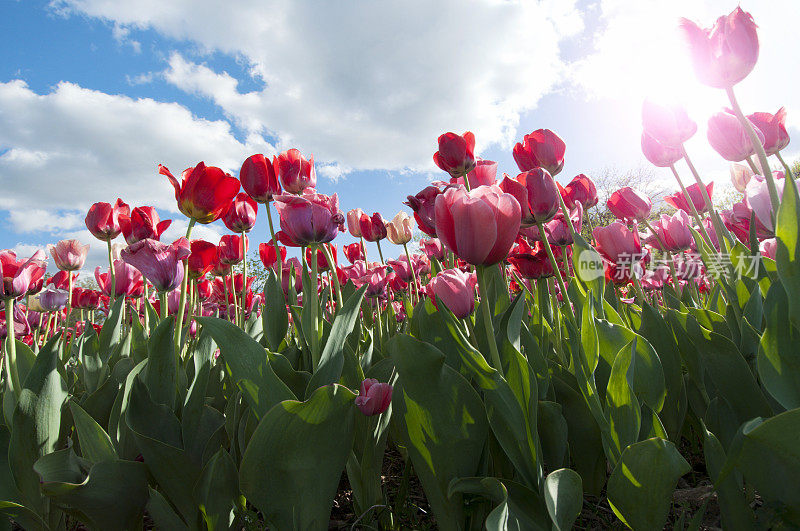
[515,368]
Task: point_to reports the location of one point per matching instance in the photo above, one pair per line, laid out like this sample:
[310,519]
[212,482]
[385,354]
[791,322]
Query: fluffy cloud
[364,84]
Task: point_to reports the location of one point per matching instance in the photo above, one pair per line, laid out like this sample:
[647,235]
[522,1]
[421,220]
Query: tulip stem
[233,296]
[162,300]
[673,274]
[12,374]
[413,273]
[380,252]
[715,221]
[752,165]
[244,277]
[487,320]
[334,275]
[789,173]
[182,303]
[113,291]
[554,263]
[695,213]
[314,302]
[759,147]
[363,247]
[279,269]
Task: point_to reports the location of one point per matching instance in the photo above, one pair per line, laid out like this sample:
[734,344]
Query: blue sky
[94,94]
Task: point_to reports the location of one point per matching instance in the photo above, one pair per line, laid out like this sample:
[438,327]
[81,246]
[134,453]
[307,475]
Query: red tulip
[61,279]
[423,205]
[229,250]
[204,192]
[373,228]
[669,125]
[21,277]
[202,258]
[322,262]
[266,252]
[723,54]
[456,153]
[580,189]
[532,262]
[259,179]
[456,289]
[295,172]
[678,200]
[309,218]
[773,126]
[241,214]
[728,138]
[674,231]
[618,244]
[537,194]
[540,149]
[373,397]
[204,289]
[143,223]
[128,280]
[483,174]
[478,226]
[69,255]
[557,230]
[103,219]
[353,252]
[160,263]
[629,205]
[658,154]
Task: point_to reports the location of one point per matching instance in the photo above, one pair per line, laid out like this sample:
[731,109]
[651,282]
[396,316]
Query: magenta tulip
[308,218]
[456,289]
[674,231]
[160,263]
[373,397]
[773,127]
[478,226]
[537,194]
[423,205]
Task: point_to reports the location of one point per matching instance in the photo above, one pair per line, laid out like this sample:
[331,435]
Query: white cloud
[364,84]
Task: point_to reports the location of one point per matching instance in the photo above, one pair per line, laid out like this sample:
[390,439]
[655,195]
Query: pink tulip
[259,179]
[456,289]
[669,125]
[375,279]
[537,194]
[456,153]
[432,248]
[128,280]
[769,248]
[103,219]
[483,174]
[241,214]
[478,226]
[728,138]
[423,205]
[757,199]
[540,149]
[678,200]
[295,172]
[629,205]
[674,231]
[21,277]
[162,264]
[658,154]
[773,126]
[618,244]
[69,255]
[580,189]
[557,230]
[725,53]
[740,176]
[308,218]
[373,397]
[353,222]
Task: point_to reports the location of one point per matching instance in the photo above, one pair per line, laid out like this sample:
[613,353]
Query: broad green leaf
[779,355]
[641,485]
[442,423]
[787,255]
[95,443]
[111,333]
[29,520]
[518,507]
[161,373]
[248,365]
[732,503]
[552,434]
[217,491]
[563,494]
[163,514]
[588,266]
[294,460]
[275,318]
[622,407]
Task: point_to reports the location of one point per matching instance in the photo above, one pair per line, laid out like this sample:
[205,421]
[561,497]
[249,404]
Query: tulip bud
[400,230]
[103,219]
[456,289]
[353,222]
[537,194]
[230,249]
[202,258]
[456,153]
[629,205]
[373,397]
[241,214]
[259,179]
[540,149]
[580,189]
[373,228]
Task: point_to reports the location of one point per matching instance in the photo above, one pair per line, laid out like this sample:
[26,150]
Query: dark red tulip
[259,179]
[204,192]
[353,252]
[629,205]
[725,53]
[532,262]
[241,214]
[103,219]
[423,205]
[540,149]
[373,228]
[580,189]
[537,194]
[322,262]
[773,127]
[229,250]
[456,153]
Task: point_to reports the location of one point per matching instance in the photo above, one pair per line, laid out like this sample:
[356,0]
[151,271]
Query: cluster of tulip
[566,349]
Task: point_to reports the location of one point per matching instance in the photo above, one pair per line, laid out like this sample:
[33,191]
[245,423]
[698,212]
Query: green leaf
[95,443]
[588,266]
[28,519]
[217,491]
[112,496]
[274,316]
[111,333]
[732,503]
[563,494]
[622,407]
[162,364]
[441,421]
[163,514]
[787,255]
[247,365]
[518,507]
[779,356]
[294,460]
[640,487]
[37,422]
[331,361]
[552,434]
